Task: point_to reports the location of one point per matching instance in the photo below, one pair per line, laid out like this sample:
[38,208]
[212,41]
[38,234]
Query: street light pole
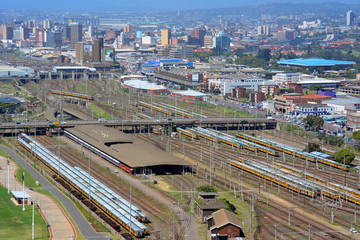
[275,226]
[33,223]
[173,220]
[131,170]
[8,163]
[23,177]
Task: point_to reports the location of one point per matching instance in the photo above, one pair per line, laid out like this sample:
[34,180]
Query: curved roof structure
[314,62]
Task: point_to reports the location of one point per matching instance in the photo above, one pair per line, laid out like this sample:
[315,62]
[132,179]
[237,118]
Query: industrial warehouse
[125,151]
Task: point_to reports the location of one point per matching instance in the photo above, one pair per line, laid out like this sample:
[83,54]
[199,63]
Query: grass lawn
[16,224]
[98,111]
[29,180]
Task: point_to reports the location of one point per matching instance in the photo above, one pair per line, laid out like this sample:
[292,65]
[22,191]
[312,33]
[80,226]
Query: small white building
[190,96]
[314,109]
[340,104]
[286,78]
[8,71]
[148,40]
[226,85]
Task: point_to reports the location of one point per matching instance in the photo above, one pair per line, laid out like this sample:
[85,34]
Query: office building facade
[222,41]
[75,33]
[350,16]
[165,36]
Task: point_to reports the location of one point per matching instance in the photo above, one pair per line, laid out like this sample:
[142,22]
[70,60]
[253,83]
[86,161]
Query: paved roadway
[236,106]
[79,219]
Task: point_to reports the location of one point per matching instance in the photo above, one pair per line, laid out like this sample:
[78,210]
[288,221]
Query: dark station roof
[125,147]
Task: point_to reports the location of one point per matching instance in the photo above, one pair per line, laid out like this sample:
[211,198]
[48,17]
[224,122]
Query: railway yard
[279,190]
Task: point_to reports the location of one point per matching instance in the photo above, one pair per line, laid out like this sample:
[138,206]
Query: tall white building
[47,24]
[350,16]
[263,30]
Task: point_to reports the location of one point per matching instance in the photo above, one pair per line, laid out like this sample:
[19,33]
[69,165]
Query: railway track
[73,159]
[194,152]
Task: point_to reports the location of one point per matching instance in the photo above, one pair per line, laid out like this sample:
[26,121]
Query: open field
[16,224]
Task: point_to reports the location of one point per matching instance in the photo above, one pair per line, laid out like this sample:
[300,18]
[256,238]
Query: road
[236,106]
[138,122]
[79,219]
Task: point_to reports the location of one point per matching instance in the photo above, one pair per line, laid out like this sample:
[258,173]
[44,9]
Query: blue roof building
[316,62]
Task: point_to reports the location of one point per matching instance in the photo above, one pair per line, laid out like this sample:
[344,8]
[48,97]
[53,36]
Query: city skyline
[142,5]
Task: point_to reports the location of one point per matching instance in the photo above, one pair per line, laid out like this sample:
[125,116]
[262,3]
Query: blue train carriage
[50,160]
[187,133]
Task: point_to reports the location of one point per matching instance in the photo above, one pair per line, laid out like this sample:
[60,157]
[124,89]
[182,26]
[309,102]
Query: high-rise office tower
[53,39]
[263,30]
[128,29]
[98,47]
[66,33]
[350,16]
[24,33]
[47,24]
[221,40]
[165,36]
[199,33]
[75,33]
[7,32]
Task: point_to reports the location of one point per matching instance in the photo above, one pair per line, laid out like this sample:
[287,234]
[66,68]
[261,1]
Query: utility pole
[89,180]
[59,151]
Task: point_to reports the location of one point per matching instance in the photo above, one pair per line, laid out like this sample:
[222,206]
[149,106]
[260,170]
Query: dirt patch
[163,186]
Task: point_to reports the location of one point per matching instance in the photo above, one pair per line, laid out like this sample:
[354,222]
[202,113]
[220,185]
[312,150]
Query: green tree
[230,207]
[334,140]
[206,188]
[309,121]
[356,135]
[316,87]
[313,122]
[344,154]
[21,108]
[264,54]
[312,147]
[318,124]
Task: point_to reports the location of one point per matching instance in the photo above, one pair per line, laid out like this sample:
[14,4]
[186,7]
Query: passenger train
[115,206]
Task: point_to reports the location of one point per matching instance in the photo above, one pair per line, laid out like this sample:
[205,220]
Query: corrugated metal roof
[9,100]
[143,85]
[222,217]
[19,194]
[126,148]
[314,62]
[191,93]
[342,101]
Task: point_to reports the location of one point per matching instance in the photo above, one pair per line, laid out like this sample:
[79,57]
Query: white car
[353,230]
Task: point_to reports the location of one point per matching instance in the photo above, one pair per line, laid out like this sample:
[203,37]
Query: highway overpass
[219,123]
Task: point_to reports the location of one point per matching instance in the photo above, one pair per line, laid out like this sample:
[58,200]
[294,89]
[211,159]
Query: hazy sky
[134,5]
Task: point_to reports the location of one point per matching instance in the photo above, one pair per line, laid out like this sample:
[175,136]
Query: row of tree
[343,155]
